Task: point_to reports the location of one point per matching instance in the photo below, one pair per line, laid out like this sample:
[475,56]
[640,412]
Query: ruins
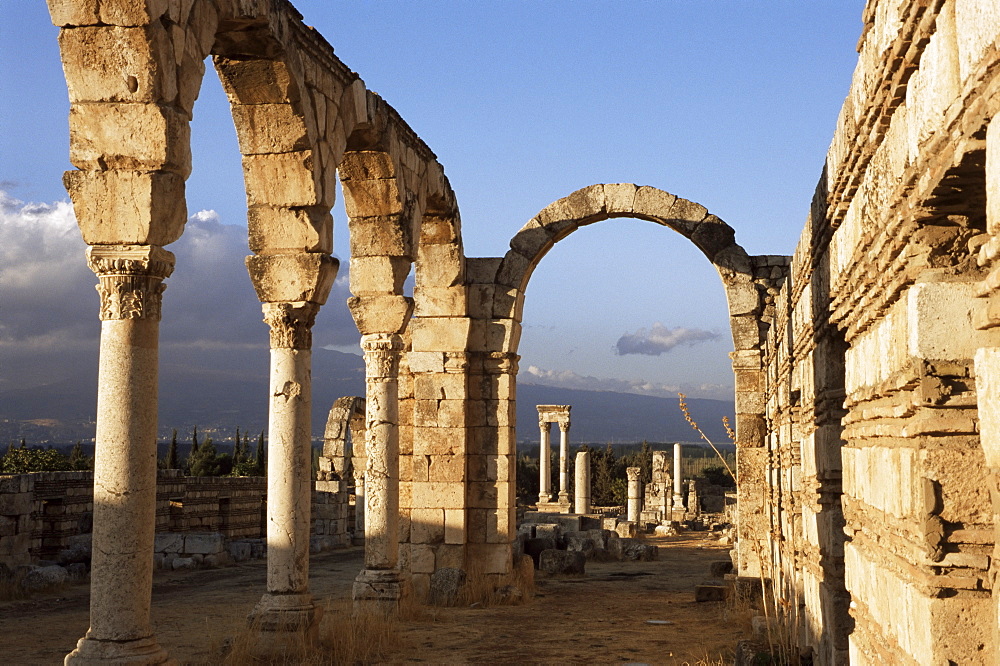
[867,365]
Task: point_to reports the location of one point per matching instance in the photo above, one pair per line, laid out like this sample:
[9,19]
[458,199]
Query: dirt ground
[602,617]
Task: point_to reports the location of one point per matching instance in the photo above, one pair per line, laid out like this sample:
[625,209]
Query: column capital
[131,279]
[543,425]
[564,426]
[633,473]
[381,352]
[291,323]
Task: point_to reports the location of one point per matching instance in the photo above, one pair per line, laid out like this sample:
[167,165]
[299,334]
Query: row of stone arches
[441,365]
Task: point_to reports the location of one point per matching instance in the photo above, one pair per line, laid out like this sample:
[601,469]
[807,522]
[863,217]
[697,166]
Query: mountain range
[221,390]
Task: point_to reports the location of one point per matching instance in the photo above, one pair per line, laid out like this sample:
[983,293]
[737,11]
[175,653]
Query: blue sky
[728,103]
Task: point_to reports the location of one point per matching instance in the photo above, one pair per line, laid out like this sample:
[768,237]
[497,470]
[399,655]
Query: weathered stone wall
[41,513]
[879,494]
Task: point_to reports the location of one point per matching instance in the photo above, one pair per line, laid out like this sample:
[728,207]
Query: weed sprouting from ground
[345,637]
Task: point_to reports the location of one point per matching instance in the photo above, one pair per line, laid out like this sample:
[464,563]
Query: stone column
[582,490]
[544,476]
[380,582]
[287,605]
[678,487]
[634,494]
[359,506]
[121,576]
[564,462]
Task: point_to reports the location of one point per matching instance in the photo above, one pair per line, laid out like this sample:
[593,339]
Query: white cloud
[571,380]
[660,339]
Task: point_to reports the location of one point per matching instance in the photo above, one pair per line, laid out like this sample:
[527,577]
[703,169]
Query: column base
[140,651]
[379,590]
[563,497]
[285,622]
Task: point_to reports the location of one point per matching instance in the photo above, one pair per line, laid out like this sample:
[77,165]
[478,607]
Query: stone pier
[125,456]
[381,584]
[564,462]
[559,414]
[581,492]
[678,504]
[634,494]
[544,456]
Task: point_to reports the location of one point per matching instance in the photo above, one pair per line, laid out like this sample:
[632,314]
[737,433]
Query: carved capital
[500,363]
[543,424]
[291,323]
[633,473]
[564,426]
[131,279]
[382,351]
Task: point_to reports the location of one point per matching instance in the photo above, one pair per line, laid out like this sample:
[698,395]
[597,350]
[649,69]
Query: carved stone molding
[291,323]
[564,426]
[382,351]
[131,279]
[543,424]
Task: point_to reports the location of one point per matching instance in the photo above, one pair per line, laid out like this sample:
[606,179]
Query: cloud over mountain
[49,322]
[660,339]
[571,380]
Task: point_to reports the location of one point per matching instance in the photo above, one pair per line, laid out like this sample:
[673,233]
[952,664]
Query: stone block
[426,526]
[286,179]
[631,550]
[240,551]
[627,529]
[127,207]
[116,64]
[169,543]
[534,546]
[720,568]
[562,562]
[454,526]
[203,544]
[41,578]
[279,229]
[182,563]
[446,586]
[132,137]
[299,277]
[709,593]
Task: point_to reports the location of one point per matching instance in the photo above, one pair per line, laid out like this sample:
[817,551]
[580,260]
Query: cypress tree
[172,462]
[205,462]
[260,461]
[77,460]
[237,447]
[194,441]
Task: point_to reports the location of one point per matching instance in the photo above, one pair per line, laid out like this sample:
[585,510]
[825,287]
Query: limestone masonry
[867,365]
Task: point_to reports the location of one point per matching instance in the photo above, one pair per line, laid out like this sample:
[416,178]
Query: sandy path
[600,618]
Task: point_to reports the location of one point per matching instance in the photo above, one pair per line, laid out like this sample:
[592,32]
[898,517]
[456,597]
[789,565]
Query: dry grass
[345,637]
[12,586]
[489,590]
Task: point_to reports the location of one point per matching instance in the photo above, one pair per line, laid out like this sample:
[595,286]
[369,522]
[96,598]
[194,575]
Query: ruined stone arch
[499,286]
[715,239]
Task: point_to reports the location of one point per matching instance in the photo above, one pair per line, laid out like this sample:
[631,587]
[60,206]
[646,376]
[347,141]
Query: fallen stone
[720,568]
[627,529]
[41,578]
[632,550]
[535,547]
[182,563]
[446,585]
[562,562]
[203,544]
[77,571]
[239,550]
[709,592]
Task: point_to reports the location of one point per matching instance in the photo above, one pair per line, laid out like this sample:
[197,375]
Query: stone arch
[715,239]
[499,286]
[346,419]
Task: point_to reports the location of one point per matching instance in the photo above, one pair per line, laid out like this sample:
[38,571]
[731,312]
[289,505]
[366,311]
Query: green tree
[204,461]
[260,458]
[719,476]
[194,441]
[78,459]
[172,460]
[24,460]
[526,471]
[237,447]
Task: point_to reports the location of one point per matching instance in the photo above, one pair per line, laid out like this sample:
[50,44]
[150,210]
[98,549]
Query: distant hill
[219,390]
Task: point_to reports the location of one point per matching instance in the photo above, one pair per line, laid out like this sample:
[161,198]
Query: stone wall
[878,499]
[44,513]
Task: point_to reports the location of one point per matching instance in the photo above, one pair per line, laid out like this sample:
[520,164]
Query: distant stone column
[678,489]
[582,490]
[287,605]
[634,494]
[359,505]
[564,462]
[380,582]
[121,575]
[544,476]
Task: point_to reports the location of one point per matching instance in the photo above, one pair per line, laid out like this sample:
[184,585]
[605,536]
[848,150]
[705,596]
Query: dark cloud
[48,304]
[660,339]
[571,380]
